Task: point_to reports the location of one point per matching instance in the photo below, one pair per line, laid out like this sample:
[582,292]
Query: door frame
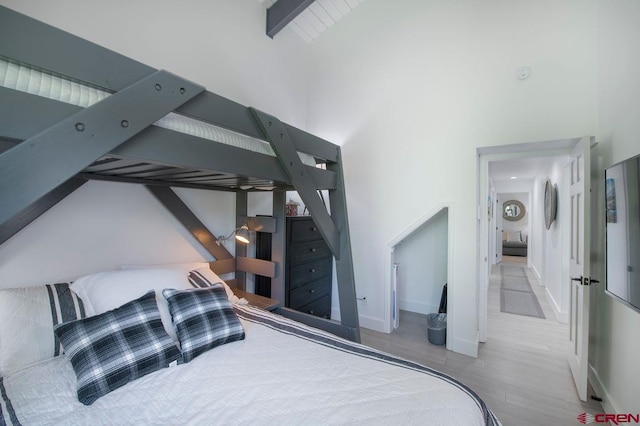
[552,148]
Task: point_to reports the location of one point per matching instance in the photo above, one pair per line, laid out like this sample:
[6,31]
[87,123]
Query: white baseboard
[608,404]
[465,347]
[537,274]
[562,317]
[371,323]
[417,307]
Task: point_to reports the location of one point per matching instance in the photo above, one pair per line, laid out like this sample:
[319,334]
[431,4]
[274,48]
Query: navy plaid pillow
[203,319]
[111,349]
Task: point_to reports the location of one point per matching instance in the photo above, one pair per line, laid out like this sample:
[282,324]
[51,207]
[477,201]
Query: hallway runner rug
[516,295]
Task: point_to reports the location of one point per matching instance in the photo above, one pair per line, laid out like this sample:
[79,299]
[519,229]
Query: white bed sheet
[271,377]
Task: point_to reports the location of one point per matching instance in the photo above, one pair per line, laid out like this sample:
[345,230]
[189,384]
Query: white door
[579,264]
[498,207]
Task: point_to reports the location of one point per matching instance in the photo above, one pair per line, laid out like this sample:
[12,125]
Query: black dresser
[308,268]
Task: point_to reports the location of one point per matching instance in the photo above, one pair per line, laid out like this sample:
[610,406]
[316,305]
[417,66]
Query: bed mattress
[282,373]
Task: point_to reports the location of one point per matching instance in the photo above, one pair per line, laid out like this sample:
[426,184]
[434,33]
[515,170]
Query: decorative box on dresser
[308,268]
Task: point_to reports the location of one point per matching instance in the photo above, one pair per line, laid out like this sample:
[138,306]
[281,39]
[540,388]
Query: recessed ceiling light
[513,177]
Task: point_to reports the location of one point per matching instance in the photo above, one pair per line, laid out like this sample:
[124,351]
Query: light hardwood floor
[521,371]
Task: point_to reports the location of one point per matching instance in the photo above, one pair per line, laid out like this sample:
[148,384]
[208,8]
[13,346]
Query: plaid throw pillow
[111,349]
[203,319]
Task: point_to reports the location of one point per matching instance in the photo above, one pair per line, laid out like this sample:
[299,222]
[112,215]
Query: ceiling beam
[282,12]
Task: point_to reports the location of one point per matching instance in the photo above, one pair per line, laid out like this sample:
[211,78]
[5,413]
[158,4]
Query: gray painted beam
[278,244]
[282,12]
[260,223]
[265,268]
[26,40]
[321,323]
[344,266]
[311,144]
[121,179]
[277,135]
[23,115]
[37,208]
[185,216]
[241,249]
[35,167]
[29,41]
[223,266]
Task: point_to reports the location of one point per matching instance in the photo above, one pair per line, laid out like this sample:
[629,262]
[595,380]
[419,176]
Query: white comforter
[273,377]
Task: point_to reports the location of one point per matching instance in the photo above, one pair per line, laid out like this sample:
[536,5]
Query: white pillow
[212,279]
[27,318]
[200,267]
[514,236]
[106,291]
[186,266]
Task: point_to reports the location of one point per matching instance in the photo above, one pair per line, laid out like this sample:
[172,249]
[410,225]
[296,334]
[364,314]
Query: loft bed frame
[49,148]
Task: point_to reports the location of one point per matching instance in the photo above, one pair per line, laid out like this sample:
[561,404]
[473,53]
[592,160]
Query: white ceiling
[521,168]
[319,16]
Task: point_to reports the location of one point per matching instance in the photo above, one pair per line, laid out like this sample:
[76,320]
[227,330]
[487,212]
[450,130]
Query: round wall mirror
[513,210]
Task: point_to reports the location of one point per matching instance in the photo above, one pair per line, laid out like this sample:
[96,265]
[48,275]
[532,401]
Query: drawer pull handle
[311,312]
[312,291]
[312,270]
[314,229]
[313,250]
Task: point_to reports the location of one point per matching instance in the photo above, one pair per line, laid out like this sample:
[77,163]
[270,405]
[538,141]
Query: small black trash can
[437,328]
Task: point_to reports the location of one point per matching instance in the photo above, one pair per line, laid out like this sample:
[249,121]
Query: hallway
[521,371]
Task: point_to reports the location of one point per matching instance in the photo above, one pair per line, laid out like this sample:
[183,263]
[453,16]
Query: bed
[65,120]
[278,372]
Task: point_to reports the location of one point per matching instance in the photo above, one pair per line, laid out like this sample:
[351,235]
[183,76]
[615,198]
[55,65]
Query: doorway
[517,169]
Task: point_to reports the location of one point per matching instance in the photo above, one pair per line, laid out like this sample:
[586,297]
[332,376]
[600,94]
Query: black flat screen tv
[622,197]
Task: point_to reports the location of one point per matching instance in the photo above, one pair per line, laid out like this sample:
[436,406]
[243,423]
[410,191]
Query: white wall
[410,88]
[552,252]
[103,225]
[422,259]
[220,44]
[614,346]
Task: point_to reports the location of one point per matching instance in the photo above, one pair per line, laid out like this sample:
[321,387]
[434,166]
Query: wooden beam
[223,266]
[37,208]
[282,12]
[344,266]
[179,209]
[278,244]
[282,144]
[265,268]
[260,223]
[321,323]
[35,167]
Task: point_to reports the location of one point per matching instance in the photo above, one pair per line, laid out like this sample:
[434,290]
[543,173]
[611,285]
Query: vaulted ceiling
[307,18]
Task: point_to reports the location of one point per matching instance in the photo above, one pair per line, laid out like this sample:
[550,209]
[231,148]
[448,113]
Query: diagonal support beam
[275,132]
[33,211]
[185,216]
[282,12]
[45,161]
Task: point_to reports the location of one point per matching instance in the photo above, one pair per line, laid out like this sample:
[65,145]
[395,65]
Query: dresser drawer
[311,271]
[307,252]
[303,295]
[304,230]
[320,307]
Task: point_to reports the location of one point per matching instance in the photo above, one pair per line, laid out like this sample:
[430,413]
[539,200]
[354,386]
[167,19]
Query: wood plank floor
[521,372]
